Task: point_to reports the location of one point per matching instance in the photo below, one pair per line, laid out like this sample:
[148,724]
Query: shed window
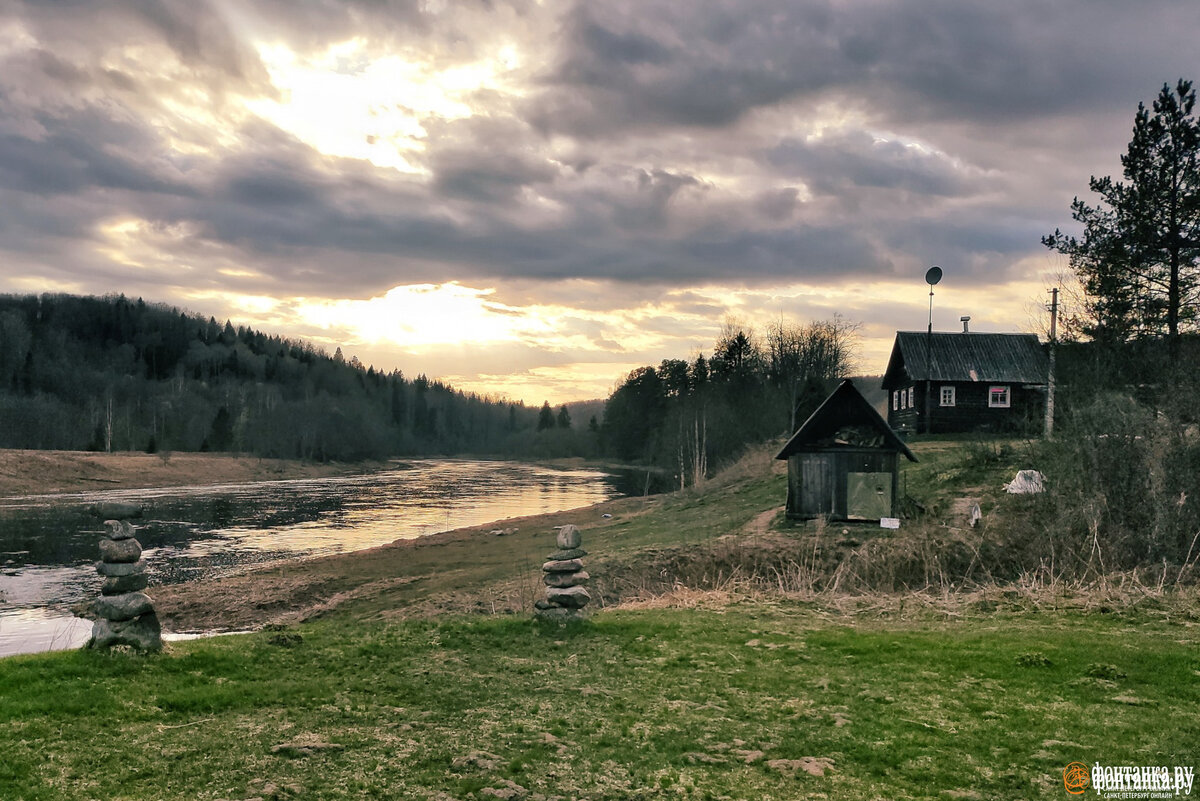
[912,394]
[947,396]
[998,397]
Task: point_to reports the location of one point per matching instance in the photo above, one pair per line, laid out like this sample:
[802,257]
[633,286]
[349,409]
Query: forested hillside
[113,374]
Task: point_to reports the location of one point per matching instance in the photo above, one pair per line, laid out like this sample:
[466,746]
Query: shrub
[1123,487]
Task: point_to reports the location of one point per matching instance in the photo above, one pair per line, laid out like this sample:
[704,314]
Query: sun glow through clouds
[347,102]
[423,315]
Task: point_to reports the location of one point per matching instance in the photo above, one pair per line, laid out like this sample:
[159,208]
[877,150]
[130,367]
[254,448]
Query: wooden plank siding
[817,480]
[971,364]
[971,410]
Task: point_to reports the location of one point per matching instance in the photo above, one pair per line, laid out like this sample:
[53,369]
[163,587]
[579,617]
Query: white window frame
[912,397]
[1005,401]
[895,400]
[948,395]
[903,400]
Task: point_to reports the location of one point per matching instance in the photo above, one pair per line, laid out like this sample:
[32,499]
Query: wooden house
[975,382]
[843,462]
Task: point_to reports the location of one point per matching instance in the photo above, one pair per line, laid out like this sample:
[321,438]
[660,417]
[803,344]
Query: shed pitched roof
[844,410]
[1012,358]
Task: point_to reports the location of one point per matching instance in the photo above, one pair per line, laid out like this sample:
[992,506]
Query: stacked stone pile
[125,614]
[564,578]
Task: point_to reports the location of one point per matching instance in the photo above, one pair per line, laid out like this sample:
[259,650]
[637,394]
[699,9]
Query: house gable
[845,420]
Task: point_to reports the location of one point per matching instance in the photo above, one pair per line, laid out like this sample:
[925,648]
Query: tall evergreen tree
[1139,256]
[545,417]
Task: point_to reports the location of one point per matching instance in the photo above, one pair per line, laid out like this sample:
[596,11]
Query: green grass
[727,701]
[648,703]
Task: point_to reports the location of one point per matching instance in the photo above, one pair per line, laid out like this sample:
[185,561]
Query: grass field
[750,700]
[713,678]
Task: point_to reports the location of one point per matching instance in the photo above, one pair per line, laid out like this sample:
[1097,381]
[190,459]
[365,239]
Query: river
[48,543]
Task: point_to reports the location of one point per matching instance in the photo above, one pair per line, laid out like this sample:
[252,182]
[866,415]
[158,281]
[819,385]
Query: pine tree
[1139,257]
[545,417]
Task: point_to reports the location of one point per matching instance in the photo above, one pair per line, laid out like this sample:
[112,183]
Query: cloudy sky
[532,198]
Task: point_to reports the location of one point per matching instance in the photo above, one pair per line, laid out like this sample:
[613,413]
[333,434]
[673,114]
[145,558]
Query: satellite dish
[933,275]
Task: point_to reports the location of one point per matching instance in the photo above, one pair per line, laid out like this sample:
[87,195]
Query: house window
[895,399]
[903,399]
[998,397]
[912,394]
[947,396]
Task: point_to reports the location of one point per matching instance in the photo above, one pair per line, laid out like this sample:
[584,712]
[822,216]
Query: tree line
[689,417]
[108,374]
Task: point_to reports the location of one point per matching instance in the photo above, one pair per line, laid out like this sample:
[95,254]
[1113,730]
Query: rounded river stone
[569,537]
[563,566]
[565,579]
[574,597]
[121,568]
[570,553]
[117,551]
[559,613]
[143,633]
[118,585]
[126,606]
[119,529]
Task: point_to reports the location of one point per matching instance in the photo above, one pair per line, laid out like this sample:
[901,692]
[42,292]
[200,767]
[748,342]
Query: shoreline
[37,472]
[47,472]
[395,578]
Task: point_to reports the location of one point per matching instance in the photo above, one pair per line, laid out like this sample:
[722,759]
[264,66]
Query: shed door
[869,495]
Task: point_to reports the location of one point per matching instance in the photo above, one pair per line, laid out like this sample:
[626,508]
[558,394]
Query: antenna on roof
[932,276]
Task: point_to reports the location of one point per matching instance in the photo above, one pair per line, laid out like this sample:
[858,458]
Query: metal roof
[844,408]
[1012,358]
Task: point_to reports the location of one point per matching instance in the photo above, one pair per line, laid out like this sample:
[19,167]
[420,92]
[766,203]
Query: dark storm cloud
[842,162]
[87,151]
[488,177]
[195,31]
[655,63]
[649,141]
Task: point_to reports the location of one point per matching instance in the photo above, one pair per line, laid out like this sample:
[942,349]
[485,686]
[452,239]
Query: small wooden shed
[843,462]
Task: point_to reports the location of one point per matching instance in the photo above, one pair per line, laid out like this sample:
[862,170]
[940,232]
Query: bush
[1123,487]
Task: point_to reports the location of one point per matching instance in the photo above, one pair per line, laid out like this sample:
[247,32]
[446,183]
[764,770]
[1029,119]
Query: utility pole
[1053,348]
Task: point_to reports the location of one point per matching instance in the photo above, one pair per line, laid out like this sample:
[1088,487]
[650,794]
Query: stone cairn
[124,614]
[564,577]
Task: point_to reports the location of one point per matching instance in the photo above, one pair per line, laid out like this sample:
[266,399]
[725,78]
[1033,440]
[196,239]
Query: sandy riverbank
[29,472]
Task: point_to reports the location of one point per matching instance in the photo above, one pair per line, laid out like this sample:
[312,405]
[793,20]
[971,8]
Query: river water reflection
[48,543]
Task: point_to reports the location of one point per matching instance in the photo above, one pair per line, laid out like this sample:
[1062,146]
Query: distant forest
[112,374]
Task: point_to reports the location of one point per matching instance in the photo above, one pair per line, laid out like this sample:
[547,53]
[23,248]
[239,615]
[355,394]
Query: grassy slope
[642,702]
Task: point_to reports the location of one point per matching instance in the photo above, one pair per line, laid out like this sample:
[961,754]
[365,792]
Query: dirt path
[761,523]
[42,472]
